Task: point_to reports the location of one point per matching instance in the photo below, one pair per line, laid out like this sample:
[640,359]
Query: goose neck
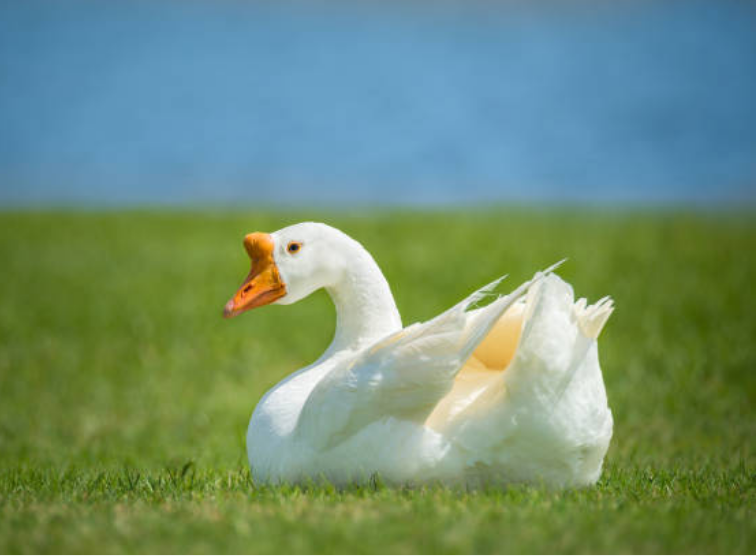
[365,307]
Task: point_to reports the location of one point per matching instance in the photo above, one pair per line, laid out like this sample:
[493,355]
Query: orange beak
[263,284]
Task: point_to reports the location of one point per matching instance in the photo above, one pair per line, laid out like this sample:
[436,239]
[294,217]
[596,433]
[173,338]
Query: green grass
[124,397]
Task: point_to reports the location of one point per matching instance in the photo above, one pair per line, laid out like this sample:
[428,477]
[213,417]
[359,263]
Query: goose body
[507,392]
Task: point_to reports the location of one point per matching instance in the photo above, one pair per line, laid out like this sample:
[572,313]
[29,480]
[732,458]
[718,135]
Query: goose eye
[294,247]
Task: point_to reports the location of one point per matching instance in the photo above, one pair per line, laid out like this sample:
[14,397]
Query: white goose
[509,392]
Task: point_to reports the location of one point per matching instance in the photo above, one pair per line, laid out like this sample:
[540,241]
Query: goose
[508,391]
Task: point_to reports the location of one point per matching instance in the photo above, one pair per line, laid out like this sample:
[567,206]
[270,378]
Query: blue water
[394,103]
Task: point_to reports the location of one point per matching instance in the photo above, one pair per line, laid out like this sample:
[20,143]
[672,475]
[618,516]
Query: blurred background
[457,141]
[399,103]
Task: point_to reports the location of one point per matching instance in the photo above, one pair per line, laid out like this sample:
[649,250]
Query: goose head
[288,265]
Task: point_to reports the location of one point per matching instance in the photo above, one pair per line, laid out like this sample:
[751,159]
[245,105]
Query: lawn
[125,397]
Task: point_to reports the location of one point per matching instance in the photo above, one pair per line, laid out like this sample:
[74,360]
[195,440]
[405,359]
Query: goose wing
[404,375]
